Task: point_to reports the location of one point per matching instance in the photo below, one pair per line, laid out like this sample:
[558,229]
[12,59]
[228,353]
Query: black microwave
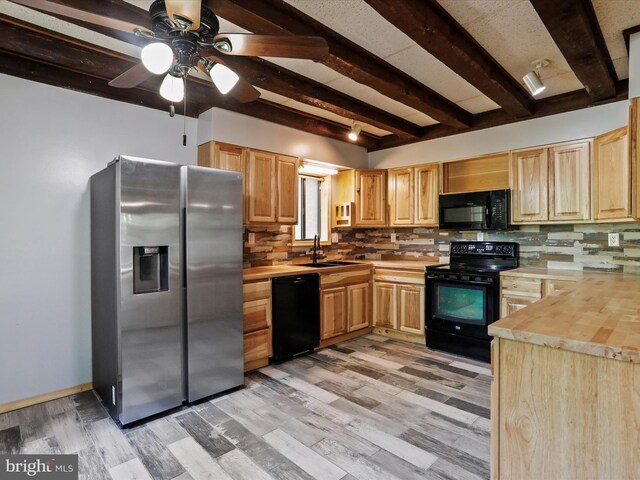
[475,210]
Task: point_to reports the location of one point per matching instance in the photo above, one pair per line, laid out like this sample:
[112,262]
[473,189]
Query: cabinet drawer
[415,277]
[257,314]
[341,279]
[257,345]
[256,291]
[522,287]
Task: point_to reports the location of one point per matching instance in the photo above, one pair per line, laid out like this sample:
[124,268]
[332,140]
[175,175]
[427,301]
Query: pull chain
[184,114]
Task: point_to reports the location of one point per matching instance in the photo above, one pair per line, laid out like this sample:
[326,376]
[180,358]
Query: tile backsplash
[568,247]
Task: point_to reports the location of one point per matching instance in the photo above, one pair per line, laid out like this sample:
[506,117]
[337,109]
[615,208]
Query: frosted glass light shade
[157,57]
[223,78]
[533,83]
[172,88]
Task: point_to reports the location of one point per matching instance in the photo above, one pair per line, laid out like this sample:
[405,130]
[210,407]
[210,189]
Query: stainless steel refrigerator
[166,285]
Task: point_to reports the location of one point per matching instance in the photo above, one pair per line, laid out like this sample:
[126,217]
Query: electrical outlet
[252,238]
[480,236]
[393,238]
[334,238]
[614,239]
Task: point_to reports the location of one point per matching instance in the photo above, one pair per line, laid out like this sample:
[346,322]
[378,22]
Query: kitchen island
[566,388]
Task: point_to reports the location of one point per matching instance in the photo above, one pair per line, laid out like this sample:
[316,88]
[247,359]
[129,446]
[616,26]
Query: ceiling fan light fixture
[172,88]
[223,77]
[157,57]
[356,128]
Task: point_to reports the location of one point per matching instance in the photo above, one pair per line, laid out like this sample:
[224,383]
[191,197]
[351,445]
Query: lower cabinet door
[384,305]
[333,307]
[411,309]
[358,310]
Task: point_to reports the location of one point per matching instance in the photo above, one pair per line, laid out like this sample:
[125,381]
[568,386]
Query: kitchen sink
[328,264]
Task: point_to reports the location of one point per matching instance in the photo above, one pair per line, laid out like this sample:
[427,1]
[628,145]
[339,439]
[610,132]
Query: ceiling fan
[184,35]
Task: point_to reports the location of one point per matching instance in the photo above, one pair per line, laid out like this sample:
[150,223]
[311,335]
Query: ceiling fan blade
[132,77]
[187,9]
[246,44]
[79,14]
[242,91]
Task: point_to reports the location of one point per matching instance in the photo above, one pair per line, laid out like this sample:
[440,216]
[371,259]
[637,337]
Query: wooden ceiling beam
[431,27]
[39,54]
[276,79]
[565,102]
[276,17]
[575,30]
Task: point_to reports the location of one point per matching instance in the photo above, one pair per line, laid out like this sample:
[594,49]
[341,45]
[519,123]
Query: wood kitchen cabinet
[552,184]
[287,189]
[518,292]
[345,299]
[399,303]
[261,187]
[401,189]
[272,188]
[256,310]
[413,196]
[333,305]
[358,306]
[612,176]
[359,198]
[270,181]
[570,181]
[411,309]
[370,198]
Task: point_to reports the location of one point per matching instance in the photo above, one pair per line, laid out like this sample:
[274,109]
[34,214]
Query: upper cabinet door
[261,187]
[401,196]
[612,175]
[287,189]
[426,179]
[529,170]
[229,157]
[371,201]
[570,182]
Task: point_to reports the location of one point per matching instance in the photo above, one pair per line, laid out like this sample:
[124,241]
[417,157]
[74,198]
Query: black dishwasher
[296,314]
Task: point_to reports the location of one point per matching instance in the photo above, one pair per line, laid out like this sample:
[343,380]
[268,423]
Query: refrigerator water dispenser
[150,269]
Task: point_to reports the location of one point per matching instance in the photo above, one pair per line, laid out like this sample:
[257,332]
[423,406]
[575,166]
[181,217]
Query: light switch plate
[334,238]
[252,238]
[393,238]
[480,236]
[614,239]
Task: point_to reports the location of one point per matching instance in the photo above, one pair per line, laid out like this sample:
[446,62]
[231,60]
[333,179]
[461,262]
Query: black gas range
[463,297]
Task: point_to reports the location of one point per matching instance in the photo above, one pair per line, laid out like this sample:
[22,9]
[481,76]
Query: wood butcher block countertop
[599,315]
[264,273]
[544,274]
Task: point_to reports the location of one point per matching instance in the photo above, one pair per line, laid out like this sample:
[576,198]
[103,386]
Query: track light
[532,79]
[157,57]
[356,128]
[223,77]
[172,88]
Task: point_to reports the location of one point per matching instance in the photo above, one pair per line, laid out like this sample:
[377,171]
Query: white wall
[583,123]
[52,141]
[238,129]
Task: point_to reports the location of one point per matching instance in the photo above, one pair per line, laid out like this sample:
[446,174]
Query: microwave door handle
[489,212]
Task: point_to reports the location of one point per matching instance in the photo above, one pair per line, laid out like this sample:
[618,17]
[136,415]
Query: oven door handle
[466,282]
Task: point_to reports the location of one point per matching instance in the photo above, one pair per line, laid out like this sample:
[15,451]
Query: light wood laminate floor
[369,408]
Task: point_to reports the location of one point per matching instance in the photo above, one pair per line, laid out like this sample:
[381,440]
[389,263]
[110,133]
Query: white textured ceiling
[509,30]
[614,16]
